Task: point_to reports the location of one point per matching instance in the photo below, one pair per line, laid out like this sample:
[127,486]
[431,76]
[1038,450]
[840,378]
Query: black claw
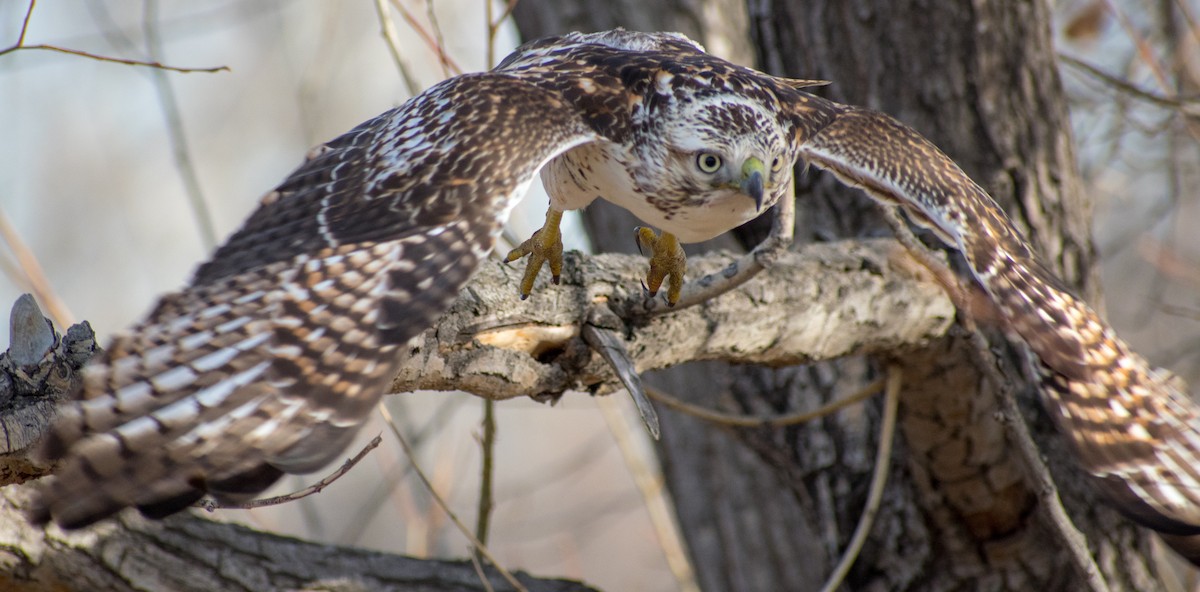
[555,280]
[524,296]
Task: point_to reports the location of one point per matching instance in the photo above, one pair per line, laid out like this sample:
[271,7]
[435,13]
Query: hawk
[269,360]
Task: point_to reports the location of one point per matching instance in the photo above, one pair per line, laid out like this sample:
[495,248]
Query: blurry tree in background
[774,508]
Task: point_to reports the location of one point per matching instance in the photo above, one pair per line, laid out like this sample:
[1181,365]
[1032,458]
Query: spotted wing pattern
[270,359]
[1132,426]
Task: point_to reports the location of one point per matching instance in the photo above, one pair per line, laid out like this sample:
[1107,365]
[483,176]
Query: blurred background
[116,177]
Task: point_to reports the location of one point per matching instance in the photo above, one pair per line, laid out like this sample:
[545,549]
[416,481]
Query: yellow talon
[544,246]
[667,261]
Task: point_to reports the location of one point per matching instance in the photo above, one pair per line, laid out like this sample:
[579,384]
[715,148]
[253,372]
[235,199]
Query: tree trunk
[772,509]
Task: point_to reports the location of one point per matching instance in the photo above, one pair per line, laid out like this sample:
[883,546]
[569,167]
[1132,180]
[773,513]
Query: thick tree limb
[188,553]
[823,302]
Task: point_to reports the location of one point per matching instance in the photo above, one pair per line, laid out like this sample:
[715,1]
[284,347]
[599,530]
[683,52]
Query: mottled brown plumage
[270,359]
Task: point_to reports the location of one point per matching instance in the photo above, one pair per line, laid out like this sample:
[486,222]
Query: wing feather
[283,342]
[1132,426]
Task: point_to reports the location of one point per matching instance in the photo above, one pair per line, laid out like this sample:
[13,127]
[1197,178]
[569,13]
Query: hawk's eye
[776,164]
[708,162]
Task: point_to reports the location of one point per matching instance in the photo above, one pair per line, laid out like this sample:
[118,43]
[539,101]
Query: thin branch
[210,505]
[20,45]
[508,10]
[25,23]
[883,460]
[483,579]
[610,346]
[438,38]
[1187,105]
[480,547]
[494,27]
[1144,50]
[34,275]
[649,485]
[175,132]
[745,421]
[100,58]
[390,35]
[487,445]
[392,475]
[428,38]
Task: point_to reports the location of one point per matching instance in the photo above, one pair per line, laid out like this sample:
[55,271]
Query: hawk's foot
[544,246]
[667,261]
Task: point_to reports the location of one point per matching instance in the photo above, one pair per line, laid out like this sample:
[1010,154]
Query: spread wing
[270,359]
[1131,426]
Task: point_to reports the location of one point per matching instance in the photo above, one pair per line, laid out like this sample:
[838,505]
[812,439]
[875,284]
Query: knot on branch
[39,368]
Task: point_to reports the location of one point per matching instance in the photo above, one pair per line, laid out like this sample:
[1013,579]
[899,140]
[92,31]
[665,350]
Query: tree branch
[188,553]
[826,301]
[823,302]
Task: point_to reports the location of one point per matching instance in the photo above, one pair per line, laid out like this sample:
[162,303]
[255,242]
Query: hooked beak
[753,173]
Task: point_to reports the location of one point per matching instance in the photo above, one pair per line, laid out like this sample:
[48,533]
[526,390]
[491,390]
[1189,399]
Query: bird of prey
[269,360]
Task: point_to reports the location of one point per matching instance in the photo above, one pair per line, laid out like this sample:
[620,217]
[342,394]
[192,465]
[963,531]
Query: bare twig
[386,485]
[883,459]
[25,22]
[649,485]
[483,579]
[487,446]
[611,348]
[317,487]
[428,38]
[393,42]
[438,38]
[175,132]
[114,60]
[744,421]
[20,45]
[1145,51]
[494,27]
[33,274]
[479,546]
[100,58]
[1187,105]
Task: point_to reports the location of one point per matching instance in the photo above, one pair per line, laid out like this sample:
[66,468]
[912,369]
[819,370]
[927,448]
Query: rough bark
[979,79]
[188,553]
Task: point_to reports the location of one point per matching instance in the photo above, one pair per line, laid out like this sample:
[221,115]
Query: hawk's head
[710,161]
